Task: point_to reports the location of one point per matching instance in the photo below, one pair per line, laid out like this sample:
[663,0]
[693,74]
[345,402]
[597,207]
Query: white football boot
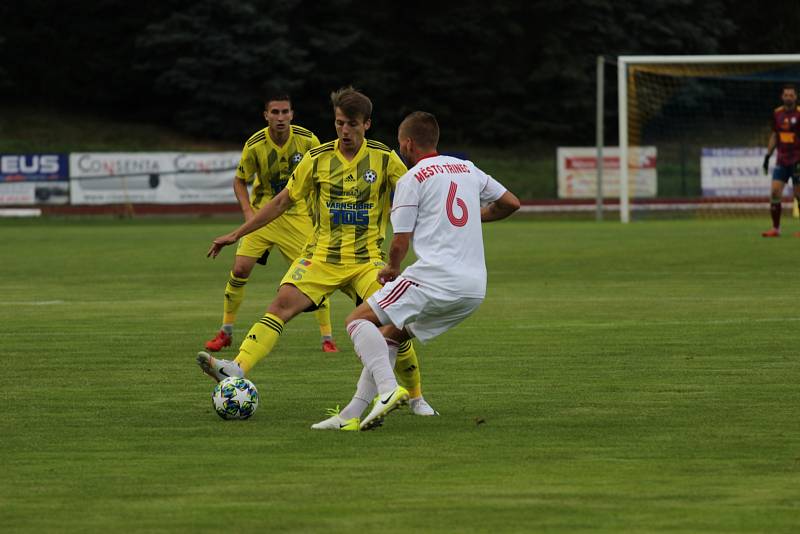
[336,422]
[217,368]
[383,405]
[419,406]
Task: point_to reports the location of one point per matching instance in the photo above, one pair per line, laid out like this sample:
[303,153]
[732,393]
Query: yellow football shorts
[316,279]
[288,232]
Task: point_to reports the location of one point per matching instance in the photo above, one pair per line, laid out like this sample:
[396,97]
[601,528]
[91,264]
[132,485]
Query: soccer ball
[235,398]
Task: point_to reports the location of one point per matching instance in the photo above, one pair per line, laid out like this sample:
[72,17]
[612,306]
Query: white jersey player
[437,205]
[438,202]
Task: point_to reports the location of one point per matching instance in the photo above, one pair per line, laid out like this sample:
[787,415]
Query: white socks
[365,392]
[378,356]
[374,353]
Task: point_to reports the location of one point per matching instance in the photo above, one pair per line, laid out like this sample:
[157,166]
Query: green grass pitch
[636,378]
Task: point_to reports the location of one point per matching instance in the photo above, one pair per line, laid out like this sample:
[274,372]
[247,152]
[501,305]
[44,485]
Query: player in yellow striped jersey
[268,159]
[348,182]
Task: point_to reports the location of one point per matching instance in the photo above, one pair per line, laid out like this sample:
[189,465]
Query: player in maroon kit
[785,137]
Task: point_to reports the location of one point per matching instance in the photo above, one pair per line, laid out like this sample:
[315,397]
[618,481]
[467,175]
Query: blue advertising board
[34,167]
[27,179]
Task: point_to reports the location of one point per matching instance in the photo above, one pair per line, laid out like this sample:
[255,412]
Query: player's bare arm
[500,208]
[240,190]
[397,252]
[268,213]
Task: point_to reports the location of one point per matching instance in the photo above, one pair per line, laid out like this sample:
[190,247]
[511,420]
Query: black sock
[775,212]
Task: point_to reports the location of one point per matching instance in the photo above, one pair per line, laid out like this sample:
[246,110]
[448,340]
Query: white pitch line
[497,298]
[645,274]
[626,324]
[36,303]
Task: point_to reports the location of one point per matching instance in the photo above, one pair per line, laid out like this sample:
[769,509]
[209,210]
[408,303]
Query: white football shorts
[423,312]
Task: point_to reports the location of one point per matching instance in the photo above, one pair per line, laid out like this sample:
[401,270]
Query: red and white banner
[577,172]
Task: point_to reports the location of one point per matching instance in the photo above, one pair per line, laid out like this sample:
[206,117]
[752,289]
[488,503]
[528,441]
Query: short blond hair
[352,103]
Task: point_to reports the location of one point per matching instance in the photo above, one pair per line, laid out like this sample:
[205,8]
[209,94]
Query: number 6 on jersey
[451,198]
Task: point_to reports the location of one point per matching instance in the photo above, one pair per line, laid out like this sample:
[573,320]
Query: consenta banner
[577,172]
[27,179]
[152,177]
[735,172]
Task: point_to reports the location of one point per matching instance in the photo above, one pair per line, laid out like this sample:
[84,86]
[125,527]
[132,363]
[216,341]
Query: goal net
[694,131]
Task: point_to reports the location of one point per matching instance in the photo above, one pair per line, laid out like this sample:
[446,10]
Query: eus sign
[33,167]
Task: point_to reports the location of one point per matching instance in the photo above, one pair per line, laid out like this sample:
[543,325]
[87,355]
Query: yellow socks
[234,294]
[407,369]
[259,342]
[323,316]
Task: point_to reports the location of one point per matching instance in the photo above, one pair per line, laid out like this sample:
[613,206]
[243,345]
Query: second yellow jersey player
[268,159]
[268,166]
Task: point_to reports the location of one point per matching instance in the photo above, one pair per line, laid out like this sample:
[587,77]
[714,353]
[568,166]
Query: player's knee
[350,319]
[285,308]
[395,334]
[361,312]
[240,272]
[242,269]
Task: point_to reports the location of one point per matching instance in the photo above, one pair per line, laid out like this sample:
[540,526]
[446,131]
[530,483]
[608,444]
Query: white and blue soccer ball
[235,398]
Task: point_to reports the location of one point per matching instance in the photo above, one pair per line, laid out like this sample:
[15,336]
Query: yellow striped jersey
[270,166]
[350,200]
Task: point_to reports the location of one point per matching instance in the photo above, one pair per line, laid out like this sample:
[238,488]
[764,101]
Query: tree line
[495,73]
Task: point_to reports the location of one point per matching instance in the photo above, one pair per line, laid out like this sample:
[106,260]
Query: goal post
[768,69]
